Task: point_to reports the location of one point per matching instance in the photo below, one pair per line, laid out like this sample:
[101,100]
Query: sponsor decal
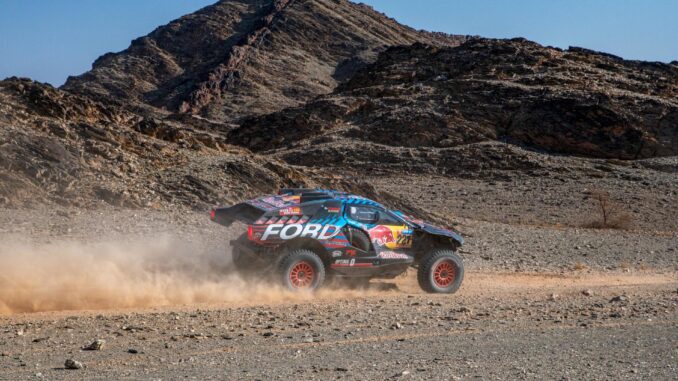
[336,253]
[350,263]
[345,262]
[391,237]
[404,240]
[287,232]
[260,204]
[281,202]
[381,235]
[351,253]
[333,209]
[291,211]
[392,255]
[275,201]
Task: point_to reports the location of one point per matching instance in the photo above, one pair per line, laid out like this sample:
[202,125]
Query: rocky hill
[247,96]
[576,102]
[66,149]
[130,131]
[246,57]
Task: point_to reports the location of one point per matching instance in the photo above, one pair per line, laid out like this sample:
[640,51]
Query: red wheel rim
[444,274]
[302,275]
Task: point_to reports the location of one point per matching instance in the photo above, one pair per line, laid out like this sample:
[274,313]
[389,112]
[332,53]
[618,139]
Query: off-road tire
[441,272]
[295,266]
[358,239]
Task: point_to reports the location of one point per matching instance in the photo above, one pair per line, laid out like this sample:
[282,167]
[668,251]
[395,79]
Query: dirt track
[157,282]
[500,326]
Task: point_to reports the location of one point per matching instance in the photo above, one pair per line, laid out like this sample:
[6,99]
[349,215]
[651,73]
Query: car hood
[435,230]
[430,228]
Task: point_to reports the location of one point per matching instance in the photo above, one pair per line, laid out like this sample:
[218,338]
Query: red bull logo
[381,235]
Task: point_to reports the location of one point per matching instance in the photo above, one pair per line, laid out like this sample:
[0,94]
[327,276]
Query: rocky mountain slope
[247,96]
[575,102]
[124,132]
[59,147]
[246,57]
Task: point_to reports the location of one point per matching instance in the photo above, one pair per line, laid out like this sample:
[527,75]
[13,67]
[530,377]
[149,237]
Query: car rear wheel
[441,271]
[302,270]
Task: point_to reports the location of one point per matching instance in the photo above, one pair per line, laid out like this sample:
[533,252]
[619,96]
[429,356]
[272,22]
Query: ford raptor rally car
[306,235]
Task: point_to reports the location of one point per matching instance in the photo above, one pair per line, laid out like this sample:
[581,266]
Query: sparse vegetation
[610,214]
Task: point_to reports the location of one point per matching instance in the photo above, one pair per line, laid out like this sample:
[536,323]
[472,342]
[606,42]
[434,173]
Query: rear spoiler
[309,194]
[244,213]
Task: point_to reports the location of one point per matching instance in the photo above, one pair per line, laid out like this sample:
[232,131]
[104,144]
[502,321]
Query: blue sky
[48,40]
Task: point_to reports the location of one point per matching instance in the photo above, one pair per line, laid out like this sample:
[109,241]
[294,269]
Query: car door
[387,232]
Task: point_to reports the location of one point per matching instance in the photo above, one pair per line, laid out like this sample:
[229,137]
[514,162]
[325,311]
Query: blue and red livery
[304,235]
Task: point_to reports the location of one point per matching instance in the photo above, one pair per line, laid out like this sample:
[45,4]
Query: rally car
[305,235]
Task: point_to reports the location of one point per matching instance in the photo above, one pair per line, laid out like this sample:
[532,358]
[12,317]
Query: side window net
[364,215]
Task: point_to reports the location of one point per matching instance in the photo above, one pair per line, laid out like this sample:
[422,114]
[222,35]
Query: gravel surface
[540,300]
[500,326]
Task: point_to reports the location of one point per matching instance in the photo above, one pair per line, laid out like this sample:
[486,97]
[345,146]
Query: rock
[72,364]
[618,299]
[402,374]
[553,297]
[132,350]
[96,345]
[396,326]
[587,293]
[340,369]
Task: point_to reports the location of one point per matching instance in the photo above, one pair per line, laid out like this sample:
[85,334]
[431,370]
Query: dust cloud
[159,271]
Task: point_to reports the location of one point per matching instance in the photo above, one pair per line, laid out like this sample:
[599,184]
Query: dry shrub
[643,267]
[610,213]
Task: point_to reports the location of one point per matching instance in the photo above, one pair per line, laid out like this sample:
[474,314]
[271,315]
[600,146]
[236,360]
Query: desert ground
[540,299]
[559,167]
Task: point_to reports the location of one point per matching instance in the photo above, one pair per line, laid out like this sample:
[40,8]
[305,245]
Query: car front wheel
[441,271]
